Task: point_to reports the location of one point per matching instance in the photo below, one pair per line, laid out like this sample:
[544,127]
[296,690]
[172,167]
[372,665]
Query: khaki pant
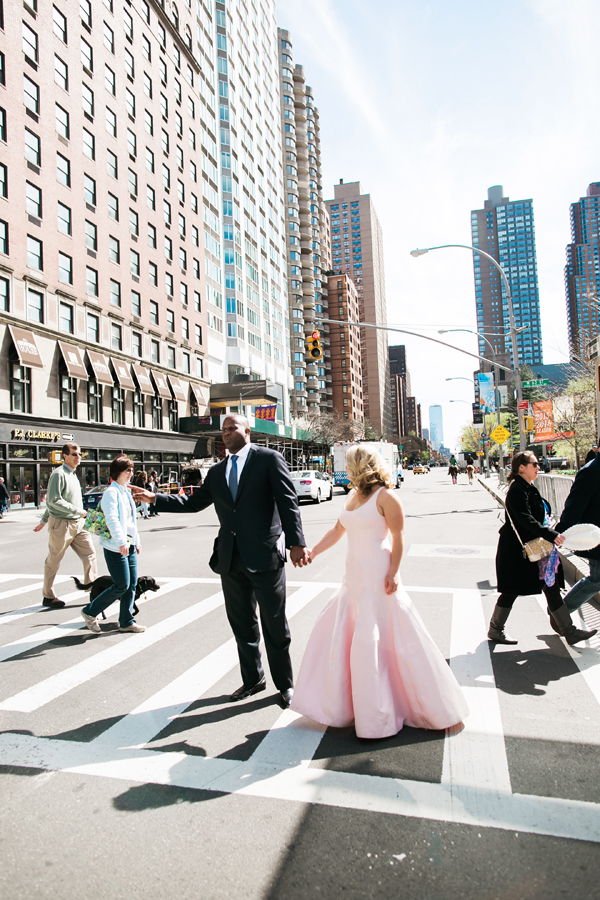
[63,533]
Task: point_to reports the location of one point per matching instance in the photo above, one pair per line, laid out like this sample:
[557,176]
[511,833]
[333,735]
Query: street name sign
[539,382]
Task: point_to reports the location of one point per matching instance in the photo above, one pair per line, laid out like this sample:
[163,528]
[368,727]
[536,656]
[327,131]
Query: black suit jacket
[583,502]
[266,505]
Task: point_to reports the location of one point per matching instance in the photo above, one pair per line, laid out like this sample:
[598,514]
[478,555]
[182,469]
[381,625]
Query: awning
[178,389]
[123,374]
[143,379]
[26,347]
[100,367]
[161,385]
[202,394]
[73,361]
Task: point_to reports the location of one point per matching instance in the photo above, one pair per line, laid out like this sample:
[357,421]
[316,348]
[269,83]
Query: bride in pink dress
[370,661]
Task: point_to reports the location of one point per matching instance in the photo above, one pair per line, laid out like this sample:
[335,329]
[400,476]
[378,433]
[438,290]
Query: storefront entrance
[22,486]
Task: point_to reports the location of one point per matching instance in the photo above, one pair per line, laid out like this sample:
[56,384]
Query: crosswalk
[475,784]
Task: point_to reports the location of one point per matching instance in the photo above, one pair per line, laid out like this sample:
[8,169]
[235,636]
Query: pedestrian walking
[121,550]
[370,661]
[583,506]
[4,497]
[141,480]
[453,471]
[152,486]
[527,518]
[65,516]
[256,502]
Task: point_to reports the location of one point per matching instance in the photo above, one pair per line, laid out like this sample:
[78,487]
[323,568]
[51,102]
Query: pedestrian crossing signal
[314,346]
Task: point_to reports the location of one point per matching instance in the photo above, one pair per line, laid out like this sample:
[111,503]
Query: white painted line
[475,768]
[292,741]
[452,551]
[22,645]
[15,614]
[585,655]
[155,713]
[570,819]
[45,691]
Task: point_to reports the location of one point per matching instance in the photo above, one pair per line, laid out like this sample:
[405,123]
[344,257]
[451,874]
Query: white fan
[581,537]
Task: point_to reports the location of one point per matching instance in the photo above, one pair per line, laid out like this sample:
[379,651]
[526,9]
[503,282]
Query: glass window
[129,64]
[153,312]
[155,351]
[134,263]
[114,250]
[20,388]
[89,190]
[171,357]
[157,422]
[31,95]
[182,259]
[112,164]
[134,223]
[62,121]
[89,144]
[110,81]
[115,293]
[113,207]
[164,106]
[33,200]
[68,398]
[198,331]
[146,48]
[152,236]
[65,317]
[166,176]
[61,73]
[33,147]
[153,274]
[170,320]
[87,100]
[130,103]
[132,182]
[111,122]
[35,306]
[181,221]
[164,141]
[148,122]
[136,303]
[180,190]
[167,211]
[35,257]
[147,85]
[59,24]
[87,55]
[109,38]
[185,328]
[94,398]
[150,197]
[168,248]
[63,170]
[65,270]
[64,219]
[116,336]
[131,143]
[118,405]
[93,329]
[91,281]
[149,160]
[136,344]
[169,284]
[85,9]
[128,25]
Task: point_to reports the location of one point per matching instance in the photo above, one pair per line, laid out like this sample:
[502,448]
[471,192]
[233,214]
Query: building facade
[357,251]
[505,229]
[582,272]
[436,426]
[307,232]
[406,412]
[346,370]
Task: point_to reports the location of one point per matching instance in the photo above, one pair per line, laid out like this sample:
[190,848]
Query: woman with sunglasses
[527,515]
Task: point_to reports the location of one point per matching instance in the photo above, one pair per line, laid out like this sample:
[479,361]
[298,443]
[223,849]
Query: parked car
[92,498]
[312,485]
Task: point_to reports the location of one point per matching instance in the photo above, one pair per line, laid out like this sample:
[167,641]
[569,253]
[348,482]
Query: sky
[428,103]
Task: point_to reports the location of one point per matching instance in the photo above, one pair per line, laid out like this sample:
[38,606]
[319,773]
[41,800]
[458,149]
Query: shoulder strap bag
[538,548]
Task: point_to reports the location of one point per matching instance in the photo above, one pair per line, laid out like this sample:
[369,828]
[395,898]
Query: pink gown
[370,661]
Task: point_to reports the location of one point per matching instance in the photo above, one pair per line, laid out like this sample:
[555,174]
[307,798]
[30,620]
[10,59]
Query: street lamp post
[511,318]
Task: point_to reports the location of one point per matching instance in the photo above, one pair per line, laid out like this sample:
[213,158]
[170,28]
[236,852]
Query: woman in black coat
[516,574]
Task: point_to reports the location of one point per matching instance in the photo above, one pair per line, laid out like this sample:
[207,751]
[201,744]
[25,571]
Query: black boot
[497,623]
[553,624]
[564,625]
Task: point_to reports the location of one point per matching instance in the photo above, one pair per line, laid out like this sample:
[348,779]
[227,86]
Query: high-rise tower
[505,230]
[436,426]
[582,271]
[357,250]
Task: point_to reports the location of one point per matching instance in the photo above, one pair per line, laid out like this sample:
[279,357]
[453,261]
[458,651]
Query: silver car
[312,485]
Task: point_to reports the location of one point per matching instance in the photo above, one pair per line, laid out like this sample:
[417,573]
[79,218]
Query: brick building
[346,368]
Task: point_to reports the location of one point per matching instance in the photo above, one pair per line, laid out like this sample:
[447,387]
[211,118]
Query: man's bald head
[242,420]
[236,432]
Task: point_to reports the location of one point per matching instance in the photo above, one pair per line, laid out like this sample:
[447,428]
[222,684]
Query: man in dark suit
[257,506]
[583,505]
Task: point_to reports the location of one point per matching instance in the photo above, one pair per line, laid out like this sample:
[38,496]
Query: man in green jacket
[65,516]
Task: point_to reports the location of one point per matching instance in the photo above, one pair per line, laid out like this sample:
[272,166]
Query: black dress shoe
[243,692]
[53,603]
[285,698]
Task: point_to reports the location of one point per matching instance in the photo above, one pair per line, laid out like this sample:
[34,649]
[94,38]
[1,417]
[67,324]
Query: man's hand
[300,556]
[39,527]
[141,494]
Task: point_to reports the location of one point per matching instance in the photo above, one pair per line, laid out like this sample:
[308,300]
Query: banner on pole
[265,412]
[487,393]
[543,415]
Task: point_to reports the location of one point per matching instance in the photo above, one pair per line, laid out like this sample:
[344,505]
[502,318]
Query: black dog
[145,583]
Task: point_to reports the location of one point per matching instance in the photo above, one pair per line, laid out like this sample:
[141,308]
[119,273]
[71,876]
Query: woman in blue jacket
[120,549]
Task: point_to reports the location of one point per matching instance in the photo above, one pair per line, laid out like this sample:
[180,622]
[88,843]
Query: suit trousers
[64,533]
[243,591]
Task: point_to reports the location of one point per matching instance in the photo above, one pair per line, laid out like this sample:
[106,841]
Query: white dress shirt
[241,460]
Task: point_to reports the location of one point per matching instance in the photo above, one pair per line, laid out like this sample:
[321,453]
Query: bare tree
[329,428]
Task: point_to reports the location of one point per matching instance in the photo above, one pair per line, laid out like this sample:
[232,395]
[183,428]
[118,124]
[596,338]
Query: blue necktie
[233,477]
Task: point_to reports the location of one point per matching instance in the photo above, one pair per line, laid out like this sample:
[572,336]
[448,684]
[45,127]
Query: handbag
[95,523]
[538,548]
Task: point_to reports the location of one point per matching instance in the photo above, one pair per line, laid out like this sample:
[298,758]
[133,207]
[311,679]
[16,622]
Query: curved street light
[511,317]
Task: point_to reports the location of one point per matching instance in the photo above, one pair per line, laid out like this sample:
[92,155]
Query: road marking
[154,714]
[452,551]
[22,645]
[14,615]
[585,654]
[475,767]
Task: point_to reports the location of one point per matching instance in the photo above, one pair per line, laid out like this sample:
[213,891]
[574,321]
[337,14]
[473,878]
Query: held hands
[300,556]
[391,583]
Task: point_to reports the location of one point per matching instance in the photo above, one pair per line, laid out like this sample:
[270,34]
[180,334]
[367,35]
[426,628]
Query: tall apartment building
[505,230]
[307,230]
[137,143]
[413,417]
[582,271]
[402,418]
[436,426]
[357,250]
[346,369]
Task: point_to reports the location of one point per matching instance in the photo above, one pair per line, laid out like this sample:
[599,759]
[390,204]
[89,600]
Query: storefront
[25,447]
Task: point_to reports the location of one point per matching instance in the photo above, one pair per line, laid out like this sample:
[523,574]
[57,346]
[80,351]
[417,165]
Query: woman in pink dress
[370,661]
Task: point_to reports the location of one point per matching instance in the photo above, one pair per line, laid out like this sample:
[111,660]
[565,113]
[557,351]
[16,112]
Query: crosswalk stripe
[475,767]
[15,614]
[155,713]
[585,656]
[56,685]
[22,645]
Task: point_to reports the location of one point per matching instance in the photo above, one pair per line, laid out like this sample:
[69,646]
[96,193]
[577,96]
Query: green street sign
[538,383]
[400,447]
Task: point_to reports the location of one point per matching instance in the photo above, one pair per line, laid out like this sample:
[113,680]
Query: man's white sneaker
[136,629]
[91,622]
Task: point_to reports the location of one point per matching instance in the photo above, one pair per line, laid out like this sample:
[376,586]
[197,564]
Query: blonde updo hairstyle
[366,469]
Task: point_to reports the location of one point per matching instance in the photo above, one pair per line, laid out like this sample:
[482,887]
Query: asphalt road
[125,773]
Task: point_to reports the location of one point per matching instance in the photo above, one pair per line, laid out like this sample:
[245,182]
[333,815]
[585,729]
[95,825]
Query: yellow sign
[480,453]
[500,434]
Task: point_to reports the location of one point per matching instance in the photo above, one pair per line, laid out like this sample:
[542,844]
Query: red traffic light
[315,335]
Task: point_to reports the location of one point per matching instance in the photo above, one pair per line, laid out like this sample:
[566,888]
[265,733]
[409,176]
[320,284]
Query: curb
[572,565]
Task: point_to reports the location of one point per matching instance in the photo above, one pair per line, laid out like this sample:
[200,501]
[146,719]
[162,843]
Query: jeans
[123,571]
[585,589]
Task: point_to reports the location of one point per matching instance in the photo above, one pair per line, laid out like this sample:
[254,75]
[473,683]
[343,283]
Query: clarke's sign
[20,434]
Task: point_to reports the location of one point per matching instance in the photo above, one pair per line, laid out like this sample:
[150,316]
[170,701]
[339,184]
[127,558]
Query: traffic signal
[528,423]
[314,346]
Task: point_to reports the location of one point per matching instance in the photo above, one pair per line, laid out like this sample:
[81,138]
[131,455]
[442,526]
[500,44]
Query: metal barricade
[555,489]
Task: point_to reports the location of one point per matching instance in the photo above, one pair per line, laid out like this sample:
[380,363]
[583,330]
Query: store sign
[20,434]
